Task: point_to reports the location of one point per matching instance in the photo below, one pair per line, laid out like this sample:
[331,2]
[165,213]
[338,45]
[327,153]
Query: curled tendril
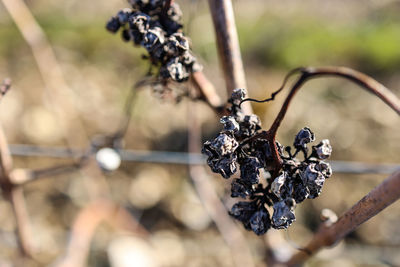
[272,97]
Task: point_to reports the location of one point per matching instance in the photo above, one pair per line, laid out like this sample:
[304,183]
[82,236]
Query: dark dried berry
[140,22]
[237,96]
[324,168]
[240,188]
[126,35]
[260,221]
[113,25]
[279,185]
[304,137]
[249,125]
[262,151]
[229,123]
[224,144]
[123,16]
[313,179]
[283,215]
[300,190]
[250,170]
[152,38]
[323,150]
[226,166]
[243,211]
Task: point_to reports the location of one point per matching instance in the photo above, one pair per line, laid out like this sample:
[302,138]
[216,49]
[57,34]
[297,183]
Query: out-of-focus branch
[85,225]
[228,46]
[14,194]
[208,92]
[56,87]
[230,232]
[374,202]
[24,230]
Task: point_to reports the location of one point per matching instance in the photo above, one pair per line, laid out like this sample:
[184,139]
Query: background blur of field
[275,36]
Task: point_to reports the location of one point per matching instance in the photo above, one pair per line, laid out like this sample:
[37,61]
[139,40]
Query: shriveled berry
[323,149]
[224,144]
[278,185]
[237,96]
[283,215]
[299,190]
[226,166]
[230,124]
[249,125]
[324,168]
[126,35]
[113,25]
[243,211]
[240,188]
[140,21]
[153,37]
[250,170]
[123,16]
[260,221]
[313,179]
[174,70]
[303,137]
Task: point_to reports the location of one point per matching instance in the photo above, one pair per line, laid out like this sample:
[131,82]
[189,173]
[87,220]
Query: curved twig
[366,82]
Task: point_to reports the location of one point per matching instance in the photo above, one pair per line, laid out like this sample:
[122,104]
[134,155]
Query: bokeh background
[275,36]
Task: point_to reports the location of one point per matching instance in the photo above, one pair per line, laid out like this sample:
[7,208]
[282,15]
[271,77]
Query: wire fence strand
[183,158]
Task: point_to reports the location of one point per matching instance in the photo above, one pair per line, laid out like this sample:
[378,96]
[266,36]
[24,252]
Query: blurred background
[100,69]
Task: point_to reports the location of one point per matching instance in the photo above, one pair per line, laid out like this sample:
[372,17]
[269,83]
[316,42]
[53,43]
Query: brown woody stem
[228,46]
[374,202]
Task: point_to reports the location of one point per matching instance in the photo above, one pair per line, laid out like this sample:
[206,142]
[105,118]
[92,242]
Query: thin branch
[366,82]
[23,225]
[56,87]
[16,198]
[228,46]
[208,92]
[374,202]
[275,93]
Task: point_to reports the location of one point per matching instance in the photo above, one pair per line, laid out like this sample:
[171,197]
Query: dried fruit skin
[250,170]
[240,188]
[283,215]
[323,149]
[260,222]
[304,137]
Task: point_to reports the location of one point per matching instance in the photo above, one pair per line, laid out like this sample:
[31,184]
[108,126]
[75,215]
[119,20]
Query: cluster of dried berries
[240,144]
[158,29]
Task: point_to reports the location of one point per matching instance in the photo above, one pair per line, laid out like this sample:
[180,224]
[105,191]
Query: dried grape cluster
[243,145]
[156,25]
